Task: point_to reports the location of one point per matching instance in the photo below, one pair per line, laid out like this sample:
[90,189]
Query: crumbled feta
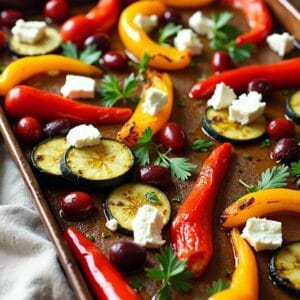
[222,97]
[83,135]
[281,43]
[112,224]
[262,234]
[247,108]
[147,23]
[78,87]
[155,99]
[147,226]
[201,24]
[186,39]
[29,32]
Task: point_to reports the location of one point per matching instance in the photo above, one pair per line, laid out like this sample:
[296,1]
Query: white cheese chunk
[201,24]
[147,226]
[147,23]
[112,224]
[262,234]
[83,135]
[29,32]
[222,97]
[155,99]
[78,87]
[247,108]
[186,39]
[281,43]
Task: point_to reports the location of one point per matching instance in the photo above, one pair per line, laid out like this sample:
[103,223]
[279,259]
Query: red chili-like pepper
[281,74]
[191,231]
[101,18]
[28,101]
[258,18]
[105,281]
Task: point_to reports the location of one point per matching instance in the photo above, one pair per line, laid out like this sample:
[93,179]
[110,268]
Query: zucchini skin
[289,110]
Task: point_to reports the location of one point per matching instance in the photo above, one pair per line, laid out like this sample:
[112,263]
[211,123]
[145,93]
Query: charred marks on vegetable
[247,203]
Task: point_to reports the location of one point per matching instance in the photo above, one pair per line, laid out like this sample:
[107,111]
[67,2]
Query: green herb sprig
[152,198]
[295,171]
[217,286]
[166,32]
[201,145]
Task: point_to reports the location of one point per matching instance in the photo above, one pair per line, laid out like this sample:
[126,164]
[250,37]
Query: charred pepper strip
[28,101]
[258,18]
[105,281]
[244,283]
[281,74]
[187,3]
[261,203]
[191,231]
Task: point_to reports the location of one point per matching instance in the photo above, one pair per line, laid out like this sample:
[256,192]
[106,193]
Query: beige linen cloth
[29,268]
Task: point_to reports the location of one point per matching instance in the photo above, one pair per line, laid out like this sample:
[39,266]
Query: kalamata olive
[101,40]
[221,61]
[2,39]
[8,17]
[127,256]
[29,130]
[281,128]
[154,175]
[285,151]
[173,136]
[261,86]
[172,16]
[56,127]
[115,59]
[77,205]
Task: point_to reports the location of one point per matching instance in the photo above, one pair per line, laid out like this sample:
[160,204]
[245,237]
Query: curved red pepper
[24,101]
[191,232]
[101,18]
[258,18]
[281,74]
[105,281]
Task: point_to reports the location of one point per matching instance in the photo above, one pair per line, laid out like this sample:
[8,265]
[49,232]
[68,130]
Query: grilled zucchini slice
[105,165]
[48,44]
[284,268]
[123,203]
[216,124]
[293,107]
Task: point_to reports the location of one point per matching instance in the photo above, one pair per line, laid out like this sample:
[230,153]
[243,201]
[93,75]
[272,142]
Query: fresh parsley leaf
[295,171]
[240,53]
[216,287]
[91,237]
[201,145]
[221,19]
[181,102]
[105,235]
[171,272]
[236,197]
[137,285]
[166,32]
[200,102]
[70,50]
[152,198]
[176,198]
[143,64]
[266,143]
[228,271]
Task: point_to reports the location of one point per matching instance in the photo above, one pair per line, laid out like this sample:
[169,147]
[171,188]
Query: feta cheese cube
[281,43]
[247,108]
[222,97]
[78,87]
[186,39]
[155,99]
[29,32]
[262,234]
[147,23]
[201,24]
[83,135]
[147,226]
[112,224]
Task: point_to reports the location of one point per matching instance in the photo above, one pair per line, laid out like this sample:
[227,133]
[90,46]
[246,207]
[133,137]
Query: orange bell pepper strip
[26,67]
[140,120]
[244,283]
[139,43]
[187,3]
[261,203]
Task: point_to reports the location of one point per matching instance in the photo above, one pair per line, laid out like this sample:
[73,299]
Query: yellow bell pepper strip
[139,43]
[187,3]
[244,283]
[26,67]
[140,120]
[261,203]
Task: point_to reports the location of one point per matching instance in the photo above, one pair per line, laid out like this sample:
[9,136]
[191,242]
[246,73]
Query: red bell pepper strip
[281,74]
[101,18]
[258,18]
[24,101]
[191,231]
[105,281]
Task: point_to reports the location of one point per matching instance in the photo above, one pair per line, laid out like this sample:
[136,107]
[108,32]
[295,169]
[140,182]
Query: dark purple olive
[285,151]
[115,59]
[173,136]
[8,17]
[56,127]
[127,256]
[101,40]
[154,175]
[261,86]
[172,16]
